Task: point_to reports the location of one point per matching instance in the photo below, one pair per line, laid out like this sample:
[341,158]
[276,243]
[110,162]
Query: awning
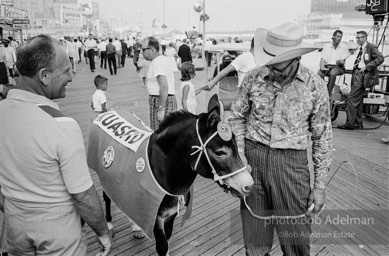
[7,27]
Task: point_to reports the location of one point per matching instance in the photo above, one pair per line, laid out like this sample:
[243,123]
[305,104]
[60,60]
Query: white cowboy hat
[282,43]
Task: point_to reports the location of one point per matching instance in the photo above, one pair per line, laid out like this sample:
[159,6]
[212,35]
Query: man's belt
[156,96]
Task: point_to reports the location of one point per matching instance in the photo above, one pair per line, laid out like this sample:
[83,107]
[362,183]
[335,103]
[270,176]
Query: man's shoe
[359,126]
[345,127]
[92,70]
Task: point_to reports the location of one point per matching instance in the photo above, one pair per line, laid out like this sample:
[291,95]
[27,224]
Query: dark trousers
[135,60]
[208,56]
[123,59]
[354,100]
[281,187]
[79,54]
[331,73]
[103,59]
[91,57]
[112,61]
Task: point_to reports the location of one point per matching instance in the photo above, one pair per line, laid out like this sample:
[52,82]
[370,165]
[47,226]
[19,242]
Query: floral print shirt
[285,118]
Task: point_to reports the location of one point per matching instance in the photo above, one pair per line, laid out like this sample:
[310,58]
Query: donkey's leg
[108,216]
[169,225]
[167,209]
[161,242]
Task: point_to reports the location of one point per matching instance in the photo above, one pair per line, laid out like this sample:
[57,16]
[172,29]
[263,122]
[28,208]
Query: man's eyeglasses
[272,68]
[145,49]
[360,37]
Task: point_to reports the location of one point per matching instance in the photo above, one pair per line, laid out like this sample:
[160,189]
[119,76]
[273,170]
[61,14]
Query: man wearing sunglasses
[160,82]
[280,109]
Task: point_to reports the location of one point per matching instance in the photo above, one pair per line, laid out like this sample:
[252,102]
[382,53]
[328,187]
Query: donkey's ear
[213,118]
[215,103]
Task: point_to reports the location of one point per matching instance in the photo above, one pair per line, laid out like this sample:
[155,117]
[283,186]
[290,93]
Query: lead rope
[276,216]
[311,207]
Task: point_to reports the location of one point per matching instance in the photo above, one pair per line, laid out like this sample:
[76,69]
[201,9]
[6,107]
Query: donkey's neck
[170,159]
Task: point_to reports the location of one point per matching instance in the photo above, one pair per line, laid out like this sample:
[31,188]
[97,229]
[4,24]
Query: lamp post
[164,22]
[199,6]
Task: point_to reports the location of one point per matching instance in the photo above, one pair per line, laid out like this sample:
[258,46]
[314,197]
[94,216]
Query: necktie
[358,59]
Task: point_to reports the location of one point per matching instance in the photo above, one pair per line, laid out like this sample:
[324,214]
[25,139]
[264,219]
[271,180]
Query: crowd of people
[47,193]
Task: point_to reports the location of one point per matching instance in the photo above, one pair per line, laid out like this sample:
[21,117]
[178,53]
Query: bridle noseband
[202,149]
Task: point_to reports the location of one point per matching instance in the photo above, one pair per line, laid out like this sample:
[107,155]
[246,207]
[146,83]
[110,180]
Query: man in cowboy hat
[281,107]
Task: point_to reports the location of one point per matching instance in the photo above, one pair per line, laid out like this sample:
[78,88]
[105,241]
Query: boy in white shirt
[99,100]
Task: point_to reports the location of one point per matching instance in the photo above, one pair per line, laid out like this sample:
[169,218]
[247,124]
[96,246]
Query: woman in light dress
[143,68]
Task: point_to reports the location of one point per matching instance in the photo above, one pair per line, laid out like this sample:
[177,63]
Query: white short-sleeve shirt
[98,99]
[160,66]
[331,55]
[53,162]
[242,64]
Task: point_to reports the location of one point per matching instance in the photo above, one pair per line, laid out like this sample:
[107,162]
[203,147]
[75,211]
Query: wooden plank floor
[215,226]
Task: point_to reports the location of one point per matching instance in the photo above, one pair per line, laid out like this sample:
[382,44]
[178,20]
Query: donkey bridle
[202,149]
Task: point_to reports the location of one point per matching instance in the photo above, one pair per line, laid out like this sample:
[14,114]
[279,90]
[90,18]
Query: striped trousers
[281,187]
[171,106]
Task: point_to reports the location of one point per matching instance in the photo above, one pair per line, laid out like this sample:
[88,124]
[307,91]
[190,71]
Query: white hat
[279,44]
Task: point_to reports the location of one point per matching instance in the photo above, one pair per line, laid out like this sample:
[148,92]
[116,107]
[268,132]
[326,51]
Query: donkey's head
[216,154]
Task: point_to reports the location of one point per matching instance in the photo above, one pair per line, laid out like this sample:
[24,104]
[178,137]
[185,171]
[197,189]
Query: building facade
[61,17]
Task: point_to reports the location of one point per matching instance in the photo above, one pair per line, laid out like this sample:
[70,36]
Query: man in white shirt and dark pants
[102,47]
[160,83]
[90,46]
[333,59]
[118,47]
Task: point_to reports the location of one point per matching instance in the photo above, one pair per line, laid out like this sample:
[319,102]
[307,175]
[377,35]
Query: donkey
[183,146]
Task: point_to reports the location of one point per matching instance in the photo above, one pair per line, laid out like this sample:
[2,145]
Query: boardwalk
[215,227]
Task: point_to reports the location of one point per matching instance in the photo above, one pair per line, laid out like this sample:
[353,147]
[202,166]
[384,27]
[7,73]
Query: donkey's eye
[220,152]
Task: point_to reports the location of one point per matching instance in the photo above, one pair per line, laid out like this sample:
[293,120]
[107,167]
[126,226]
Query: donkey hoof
[138,234]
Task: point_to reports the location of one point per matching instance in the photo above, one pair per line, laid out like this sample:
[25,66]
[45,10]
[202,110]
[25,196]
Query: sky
[225,15]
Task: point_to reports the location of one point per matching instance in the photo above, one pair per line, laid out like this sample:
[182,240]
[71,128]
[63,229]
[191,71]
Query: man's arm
[239,112]
[89,207]
[163,92]
[321,129]
[219,76]
[377,58]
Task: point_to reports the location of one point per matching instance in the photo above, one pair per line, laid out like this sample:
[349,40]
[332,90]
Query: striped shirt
[42,158]
[285,118]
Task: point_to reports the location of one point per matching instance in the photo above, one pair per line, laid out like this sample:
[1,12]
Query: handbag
[345,88]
